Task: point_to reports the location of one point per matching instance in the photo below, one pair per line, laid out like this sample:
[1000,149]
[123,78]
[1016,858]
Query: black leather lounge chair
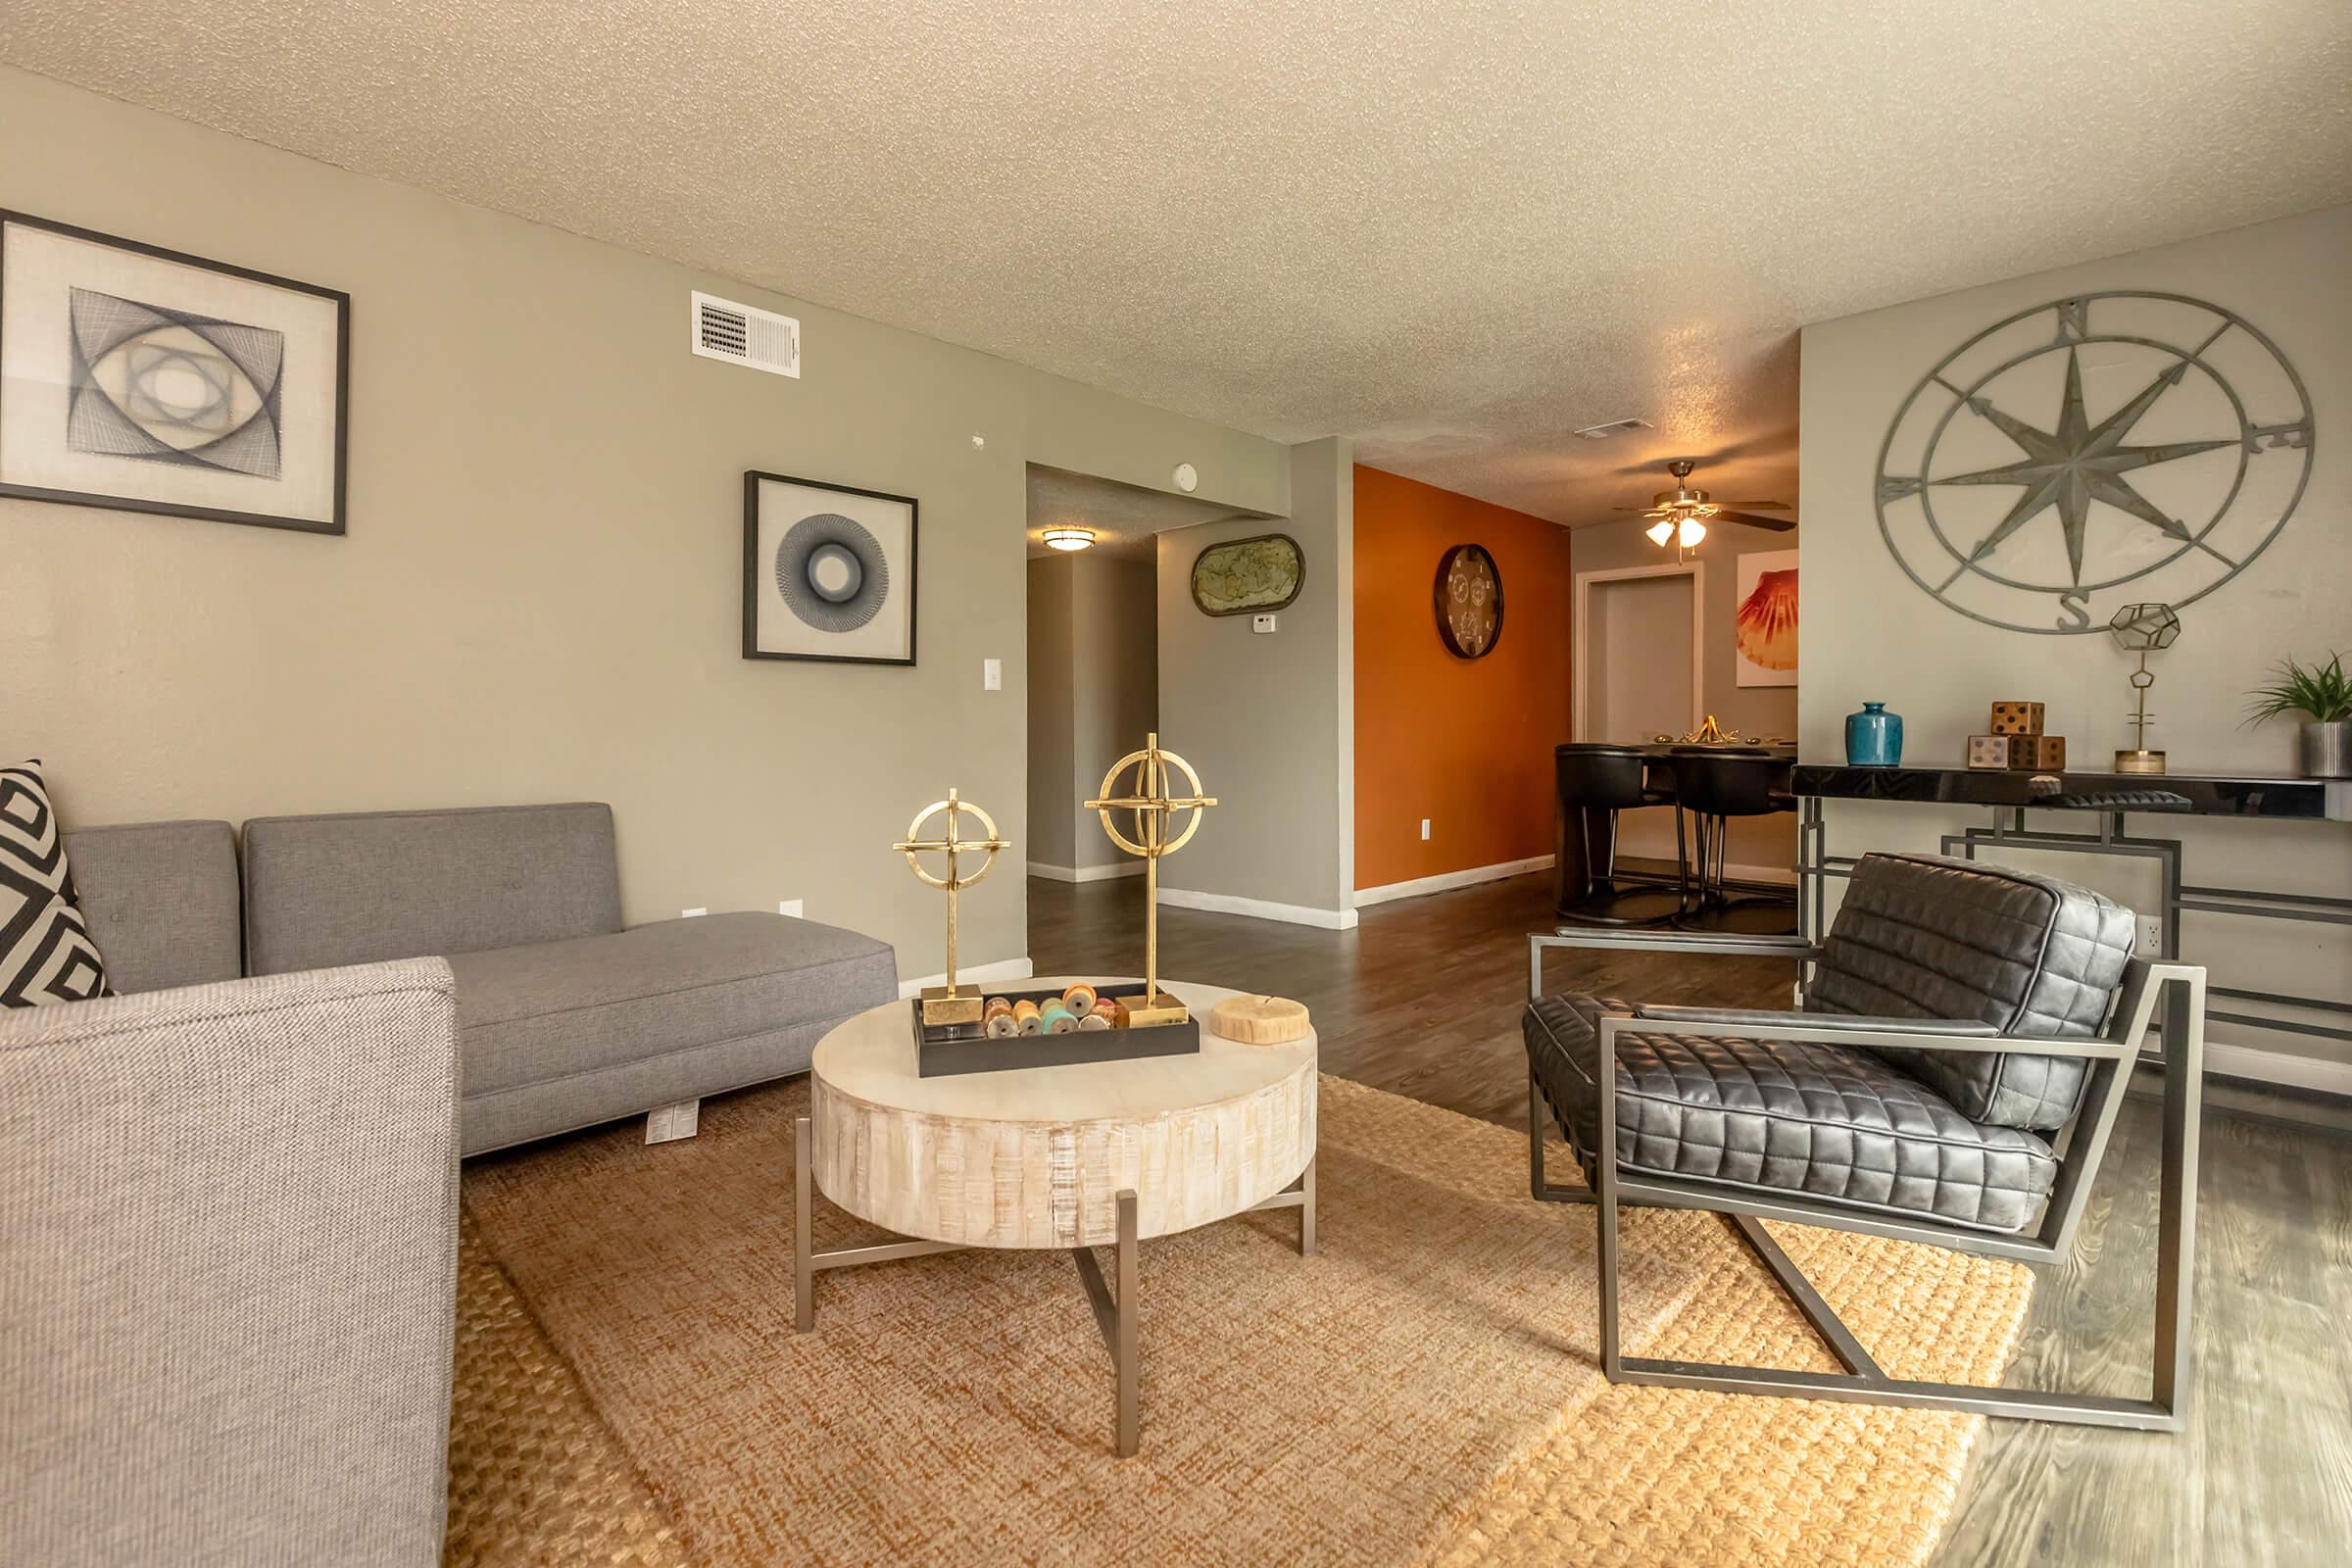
[1952,1079]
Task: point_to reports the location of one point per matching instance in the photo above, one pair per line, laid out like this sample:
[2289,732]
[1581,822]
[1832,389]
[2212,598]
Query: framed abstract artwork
[828,572]
[1764,626]
[147,381]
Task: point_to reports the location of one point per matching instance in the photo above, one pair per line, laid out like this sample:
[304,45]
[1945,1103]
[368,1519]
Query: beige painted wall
[1270,720]
[1768,843]
[1114,686]
[1052,818]
[539,595]
[1094,694]
[1870,633]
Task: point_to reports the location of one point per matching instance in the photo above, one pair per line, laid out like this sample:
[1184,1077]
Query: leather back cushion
[323,891]
[1923,937]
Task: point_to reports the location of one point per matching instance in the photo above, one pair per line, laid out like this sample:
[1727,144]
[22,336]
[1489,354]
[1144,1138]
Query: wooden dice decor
[1988,750]
[2039,754]
[2017,718]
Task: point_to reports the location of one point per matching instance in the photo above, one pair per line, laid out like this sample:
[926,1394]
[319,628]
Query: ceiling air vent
[742,335]
[1601,432]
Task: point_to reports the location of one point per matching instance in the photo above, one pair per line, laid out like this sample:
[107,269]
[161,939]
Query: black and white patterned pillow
[46,954]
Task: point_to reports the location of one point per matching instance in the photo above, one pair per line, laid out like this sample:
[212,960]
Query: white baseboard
[1445,881]
[1085,873]
[1259,909]
[978,975]
[2278,1067]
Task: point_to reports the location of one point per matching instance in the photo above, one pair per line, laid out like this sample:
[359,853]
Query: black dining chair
[1715,784]
[1596,782]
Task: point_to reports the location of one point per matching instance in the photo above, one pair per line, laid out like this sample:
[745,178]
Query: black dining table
[1583,836]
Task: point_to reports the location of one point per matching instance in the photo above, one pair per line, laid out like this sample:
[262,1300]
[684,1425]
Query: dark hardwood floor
[1423,999]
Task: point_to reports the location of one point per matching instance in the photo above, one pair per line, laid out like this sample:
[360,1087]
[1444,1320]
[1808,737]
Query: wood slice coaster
[1259,1020]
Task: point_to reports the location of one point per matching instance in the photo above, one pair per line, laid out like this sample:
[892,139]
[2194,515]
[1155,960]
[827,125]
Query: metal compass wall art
[2111,447]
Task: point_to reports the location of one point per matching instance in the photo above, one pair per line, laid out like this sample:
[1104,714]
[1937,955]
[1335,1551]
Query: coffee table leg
[1115,1315]
[804,1260]
[1307,1211]
[1130,1418]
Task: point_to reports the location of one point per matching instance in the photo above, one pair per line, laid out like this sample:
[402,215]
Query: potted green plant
[2323,695]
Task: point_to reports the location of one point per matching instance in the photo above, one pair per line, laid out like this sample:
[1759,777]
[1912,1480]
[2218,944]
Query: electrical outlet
[688,914]
[1425,827]
[665,1124]
[2151,937]
[791,907]
[991,674]
[1262,623]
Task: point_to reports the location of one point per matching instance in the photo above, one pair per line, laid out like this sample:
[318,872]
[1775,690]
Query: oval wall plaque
[1244,576]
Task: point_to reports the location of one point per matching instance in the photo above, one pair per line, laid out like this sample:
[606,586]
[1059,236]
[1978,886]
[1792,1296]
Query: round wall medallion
[2093,450]
[831,573]
[1469,601]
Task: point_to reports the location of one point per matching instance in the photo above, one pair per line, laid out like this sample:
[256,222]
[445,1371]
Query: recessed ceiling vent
[1601,432]
[744,335]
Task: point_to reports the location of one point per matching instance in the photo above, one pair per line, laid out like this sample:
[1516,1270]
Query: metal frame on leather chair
[2111,1053]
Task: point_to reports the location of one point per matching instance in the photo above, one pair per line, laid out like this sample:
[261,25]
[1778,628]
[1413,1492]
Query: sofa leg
[668,1123]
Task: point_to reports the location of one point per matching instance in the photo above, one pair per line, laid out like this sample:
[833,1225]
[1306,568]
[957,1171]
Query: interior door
[1638,646]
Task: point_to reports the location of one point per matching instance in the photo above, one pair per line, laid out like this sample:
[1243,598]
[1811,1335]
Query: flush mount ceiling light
[1069,538]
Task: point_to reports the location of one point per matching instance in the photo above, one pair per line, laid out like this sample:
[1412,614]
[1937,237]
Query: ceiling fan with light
[1682,513]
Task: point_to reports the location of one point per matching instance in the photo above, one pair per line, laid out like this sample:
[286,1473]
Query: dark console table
[2107,799]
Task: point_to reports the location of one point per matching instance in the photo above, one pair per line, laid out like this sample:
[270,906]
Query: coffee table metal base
[1114,1307]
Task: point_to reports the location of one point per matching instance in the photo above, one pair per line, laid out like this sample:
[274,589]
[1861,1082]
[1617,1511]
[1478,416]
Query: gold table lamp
[1153,807]
[951,1003]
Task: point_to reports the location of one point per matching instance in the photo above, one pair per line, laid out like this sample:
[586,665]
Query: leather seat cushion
[1828,1122]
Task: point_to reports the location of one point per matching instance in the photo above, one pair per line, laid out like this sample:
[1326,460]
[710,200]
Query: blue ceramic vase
[1874,737]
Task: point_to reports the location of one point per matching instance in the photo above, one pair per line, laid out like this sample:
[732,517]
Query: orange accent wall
[1466,743]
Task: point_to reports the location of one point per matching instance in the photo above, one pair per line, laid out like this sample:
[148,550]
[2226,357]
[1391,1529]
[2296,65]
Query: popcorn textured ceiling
[1453,232]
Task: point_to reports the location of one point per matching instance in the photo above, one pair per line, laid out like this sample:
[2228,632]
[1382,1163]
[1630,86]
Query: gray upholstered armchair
[1952,1079]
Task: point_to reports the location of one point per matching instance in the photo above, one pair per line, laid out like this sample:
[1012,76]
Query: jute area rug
[1424,1389]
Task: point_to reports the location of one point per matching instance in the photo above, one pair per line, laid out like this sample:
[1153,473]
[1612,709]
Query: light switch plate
[688,914]
[1261,623]
[666,1124]
[991,674]
[791,907]
[1425,827]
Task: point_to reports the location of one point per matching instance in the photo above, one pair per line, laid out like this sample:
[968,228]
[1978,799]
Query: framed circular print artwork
[1469,602]
[2113,448]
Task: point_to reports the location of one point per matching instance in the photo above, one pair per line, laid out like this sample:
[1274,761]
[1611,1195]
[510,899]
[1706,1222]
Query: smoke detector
[1601,432]
[745,334]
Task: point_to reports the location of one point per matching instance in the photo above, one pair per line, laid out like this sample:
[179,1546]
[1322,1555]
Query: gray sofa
[228,1198]
[566,1017]
[229,1224]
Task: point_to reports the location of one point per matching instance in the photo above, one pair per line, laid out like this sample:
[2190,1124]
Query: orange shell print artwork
[1768,621]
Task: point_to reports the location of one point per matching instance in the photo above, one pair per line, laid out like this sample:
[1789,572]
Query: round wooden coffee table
[1071,1158]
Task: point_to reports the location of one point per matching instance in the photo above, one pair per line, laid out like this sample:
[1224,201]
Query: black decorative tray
[944,1050]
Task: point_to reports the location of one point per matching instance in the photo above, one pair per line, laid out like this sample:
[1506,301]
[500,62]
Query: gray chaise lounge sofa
[566,1018]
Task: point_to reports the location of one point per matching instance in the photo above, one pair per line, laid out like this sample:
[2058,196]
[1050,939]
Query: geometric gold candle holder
[1156,838]
[951,1003]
